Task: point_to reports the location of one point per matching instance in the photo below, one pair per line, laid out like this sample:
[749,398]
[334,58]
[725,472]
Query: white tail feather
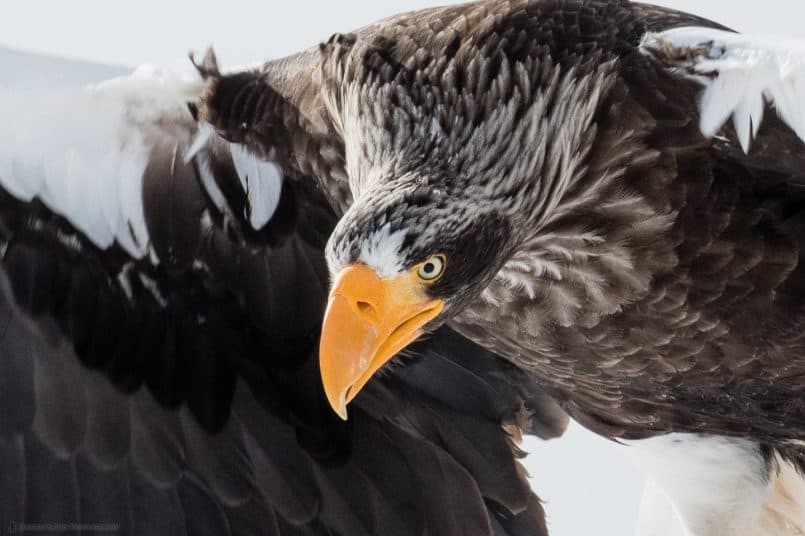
[784,512]
[713,486]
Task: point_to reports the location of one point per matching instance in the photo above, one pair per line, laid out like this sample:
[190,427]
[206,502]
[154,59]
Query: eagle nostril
[368,310]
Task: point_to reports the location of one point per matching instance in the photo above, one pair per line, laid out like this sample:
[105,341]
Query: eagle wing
[715,343]
[698,325]
[749,107]
[161,291]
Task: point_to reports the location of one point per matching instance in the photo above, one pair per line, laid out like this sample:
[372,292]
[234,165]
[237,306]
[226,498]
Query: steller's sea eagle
[556,180]
[159,326]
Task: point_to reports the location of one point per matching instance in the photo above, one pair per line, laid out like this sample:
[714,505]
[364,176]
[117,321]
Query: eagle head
[447,180]
[409,254]
[446,187]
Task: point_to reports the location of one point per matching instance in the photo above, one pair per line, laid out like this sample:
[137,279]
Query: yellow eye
[431,269]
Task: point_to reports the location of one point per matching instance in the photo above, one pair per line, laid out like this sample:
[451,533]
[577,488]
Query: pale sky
[244,31]
[589,485]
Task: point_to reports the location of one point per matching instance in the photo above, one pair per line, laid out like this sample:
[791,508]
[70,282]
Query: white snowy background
[589,485]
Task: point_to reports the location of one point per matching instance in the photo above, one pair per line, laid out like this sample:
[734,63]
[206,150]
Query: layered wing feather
[160,295]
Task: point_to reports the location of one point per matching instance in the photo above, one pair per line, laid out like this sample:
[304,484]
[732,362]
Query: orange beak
[368,321]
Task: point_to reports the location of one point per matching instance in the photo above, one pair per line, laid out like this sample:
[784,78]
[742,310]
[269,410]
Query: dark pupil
[430,268]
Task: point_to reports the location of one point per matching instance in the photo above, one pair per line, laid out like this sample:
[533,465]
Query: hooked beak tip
[338,400]
[340,405]
[342,412]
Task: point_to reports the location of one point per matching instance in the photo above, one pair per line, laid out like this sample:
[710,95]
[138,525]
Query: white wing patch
[84,153]
[149,81]
[70,150]
[203,136]
[262,182]
[740,73]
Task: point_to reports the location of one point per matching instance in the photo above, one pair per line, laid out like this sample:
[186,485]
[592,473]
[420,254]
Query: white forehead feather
[382,251]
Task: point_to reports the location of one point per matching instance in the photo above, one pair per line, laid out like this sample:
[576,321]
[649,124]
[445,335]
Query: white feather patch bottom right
[717,486]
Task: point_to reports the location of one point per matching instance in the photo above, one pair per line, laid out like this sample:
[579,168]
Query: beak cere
[367,322]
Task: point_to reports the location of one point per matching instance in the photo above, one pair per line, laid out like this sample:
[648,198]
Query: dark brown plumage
[645,275]
[557,170]
[560,159]
[672,292]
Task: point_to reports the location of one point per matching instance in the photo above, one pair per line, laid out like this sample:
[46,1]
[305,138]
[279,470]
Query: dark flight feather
[178,392]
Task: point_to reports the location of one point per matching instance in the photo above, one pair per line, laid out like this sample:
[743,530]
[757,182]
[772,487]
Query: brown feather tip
[514,432]
[339,40]
[208,67]
[193,108]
